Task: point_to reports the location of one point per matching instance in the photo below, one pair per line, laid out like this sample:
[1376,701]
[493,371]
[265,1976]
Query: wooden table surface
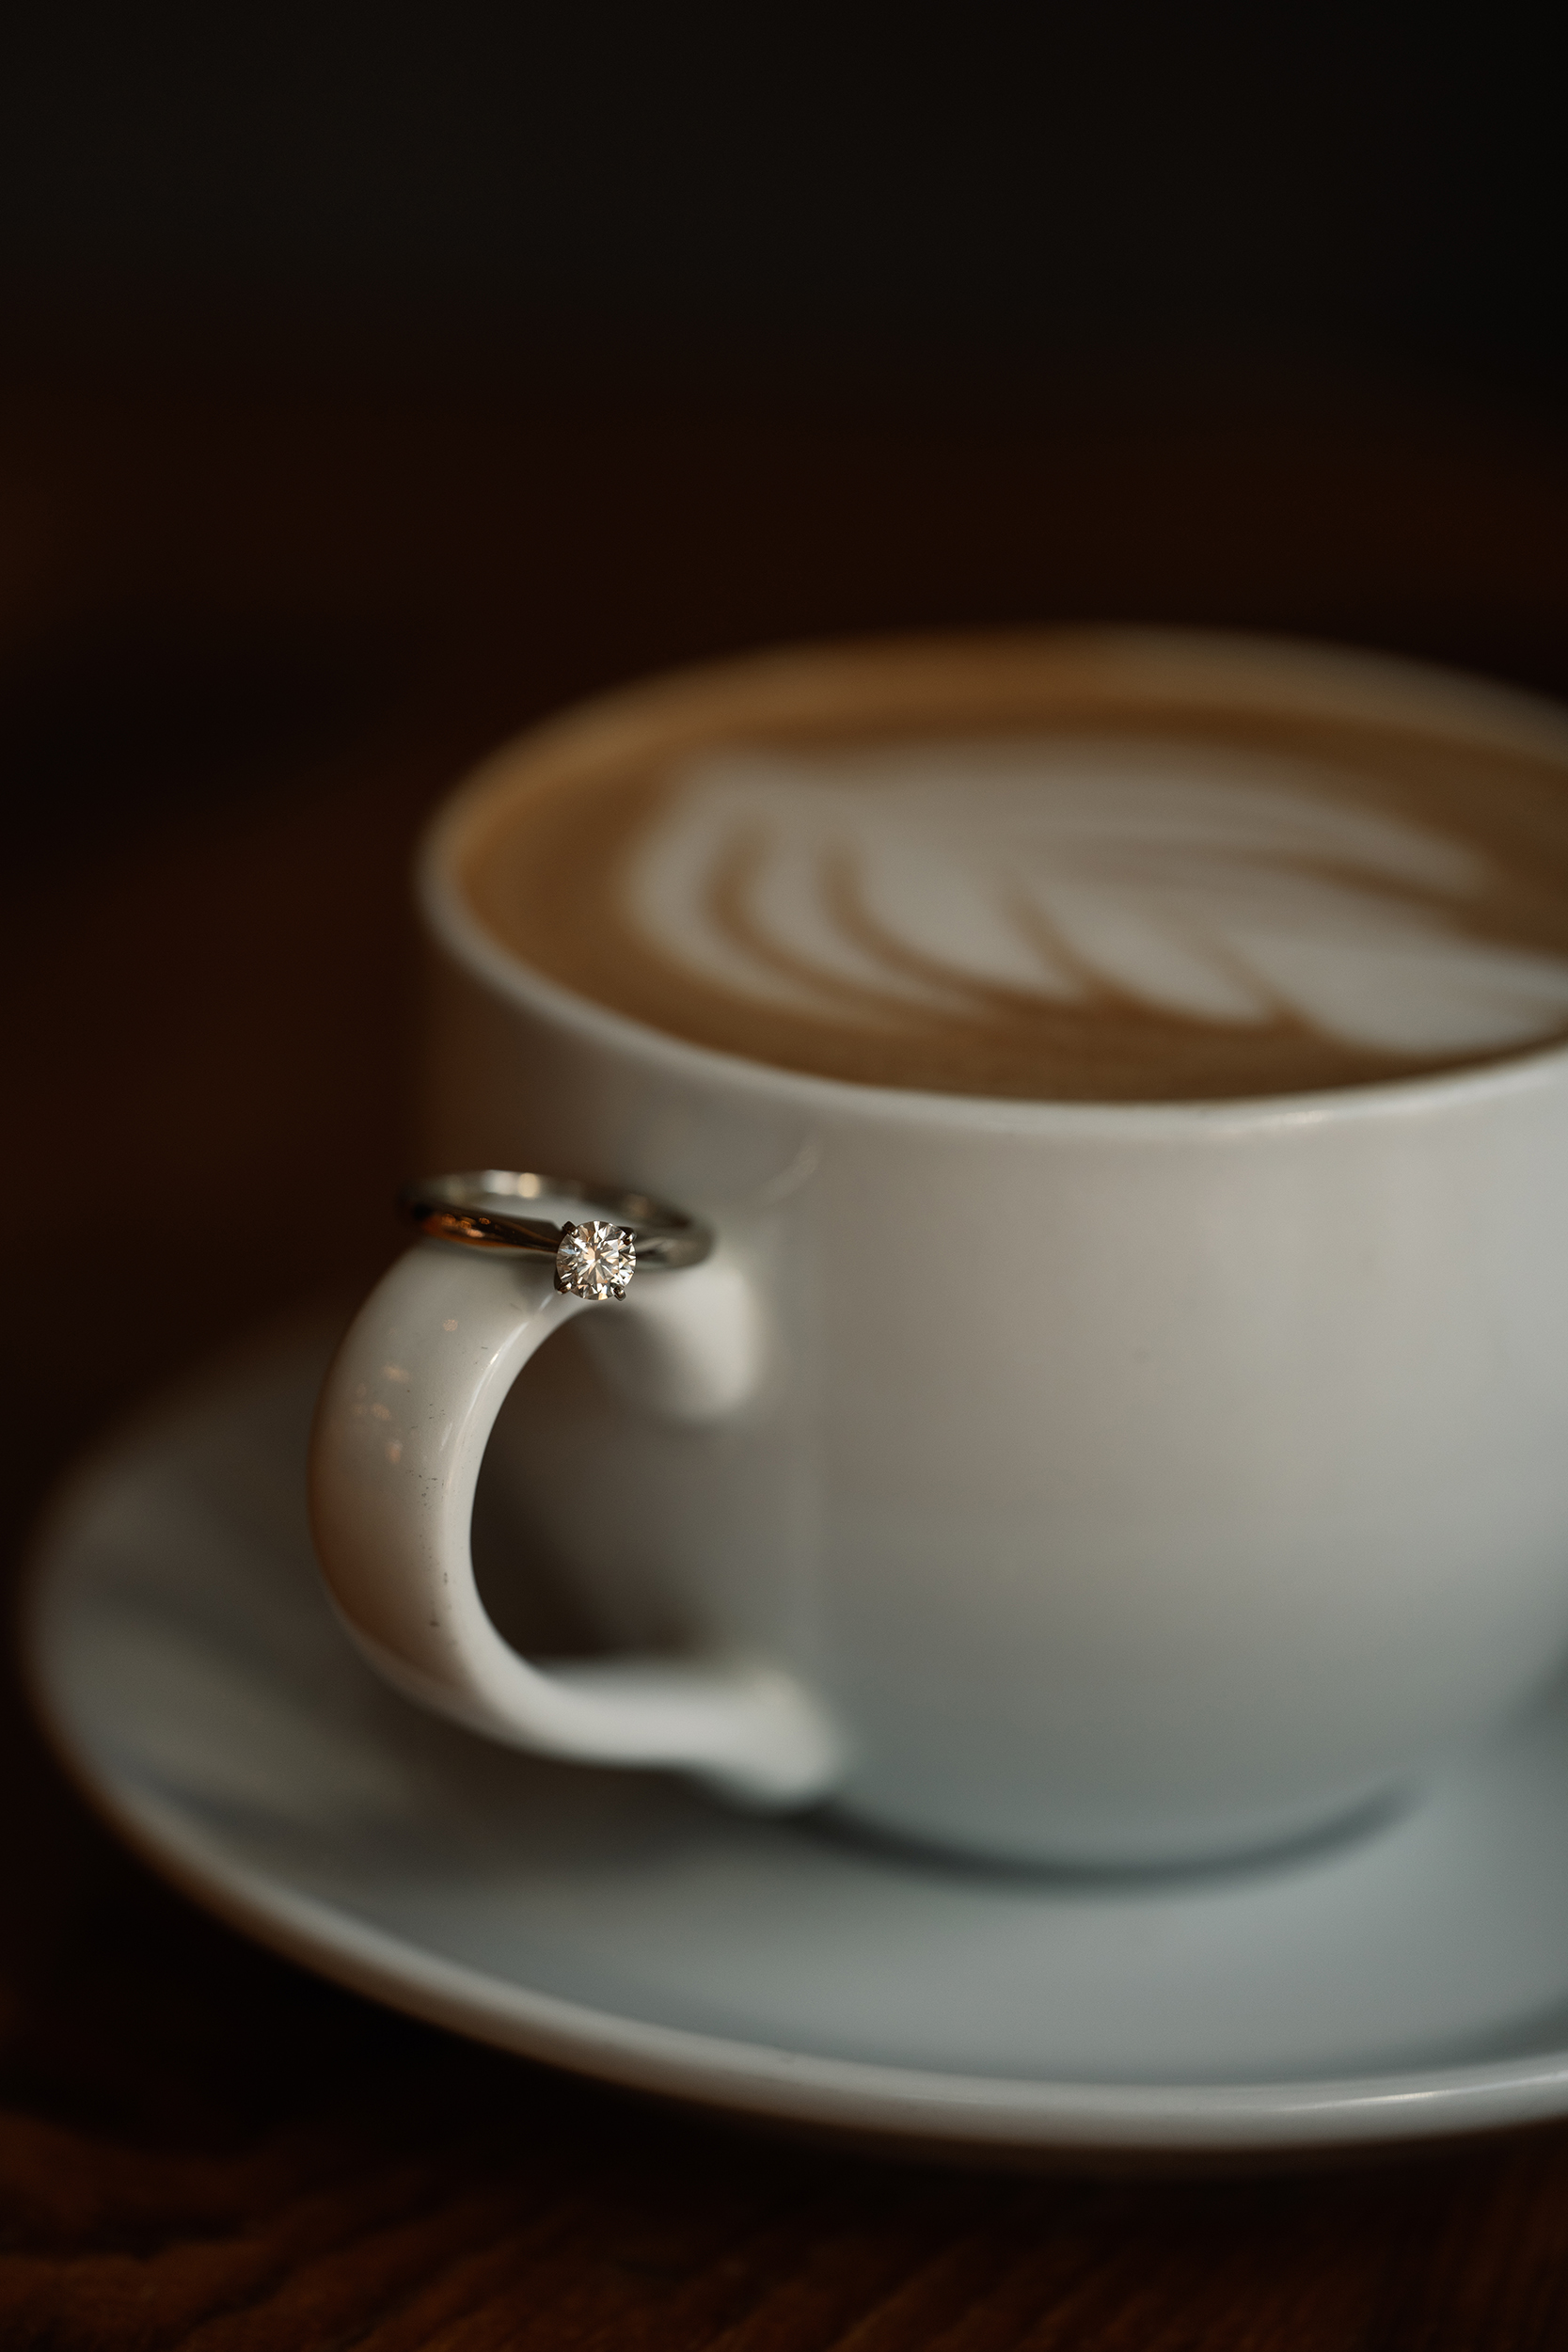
[244,642]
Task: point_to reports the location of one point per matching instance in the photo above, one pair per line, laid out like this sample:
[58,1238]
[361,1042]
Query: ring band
[595,1256]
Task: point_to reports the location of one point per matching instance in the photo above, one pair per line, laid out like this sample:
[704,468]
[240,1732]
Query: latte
[1111,868]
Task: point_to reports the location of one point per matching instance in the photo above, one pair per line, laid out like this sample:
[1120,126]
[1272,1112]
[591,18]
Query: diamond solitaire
[595,1260]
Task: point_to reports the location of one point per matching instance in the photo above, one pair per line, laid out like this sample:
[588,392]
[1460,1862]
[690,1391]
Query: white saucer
[1410,1984]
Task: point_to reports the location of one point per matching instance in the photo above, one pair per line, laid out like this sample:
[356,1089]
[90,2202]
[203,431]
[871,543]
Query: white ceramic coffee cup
[1106,1485]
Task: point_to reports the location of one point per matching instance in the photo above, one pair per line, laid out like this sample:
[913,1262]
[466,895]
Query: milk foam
[1215,887]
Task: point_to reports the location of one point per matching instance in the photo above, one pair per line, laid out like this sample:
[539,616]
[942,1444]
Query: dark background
[374,380]
[1049,193]
[1247,316]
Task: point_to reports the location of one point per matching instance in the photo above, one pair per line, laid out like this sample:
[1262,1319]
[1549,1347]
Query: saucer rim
[1048,2115]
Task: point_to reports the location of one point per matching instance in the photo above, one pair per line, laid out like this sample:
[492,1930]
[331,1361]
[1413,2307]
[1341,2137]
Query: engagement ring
[506,1209]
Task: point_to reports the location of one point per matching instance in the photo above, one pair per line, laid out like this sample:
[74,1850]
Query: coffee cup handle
[401,1429]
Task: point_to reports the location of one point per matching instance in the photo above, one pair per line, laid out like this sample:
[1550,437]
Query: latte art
[967,883]
[1101,867]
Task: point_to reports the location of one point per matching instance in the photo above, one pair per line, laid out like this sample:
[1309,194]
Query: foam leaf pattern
[1215,885]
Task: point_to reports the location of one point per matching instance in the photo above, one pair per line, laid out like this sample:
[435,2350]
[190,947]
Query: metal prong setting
[595,1260]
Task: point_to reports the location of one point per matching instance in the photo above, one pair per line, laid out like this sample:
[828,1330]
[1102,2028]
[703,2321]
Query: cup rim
[1376,683]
